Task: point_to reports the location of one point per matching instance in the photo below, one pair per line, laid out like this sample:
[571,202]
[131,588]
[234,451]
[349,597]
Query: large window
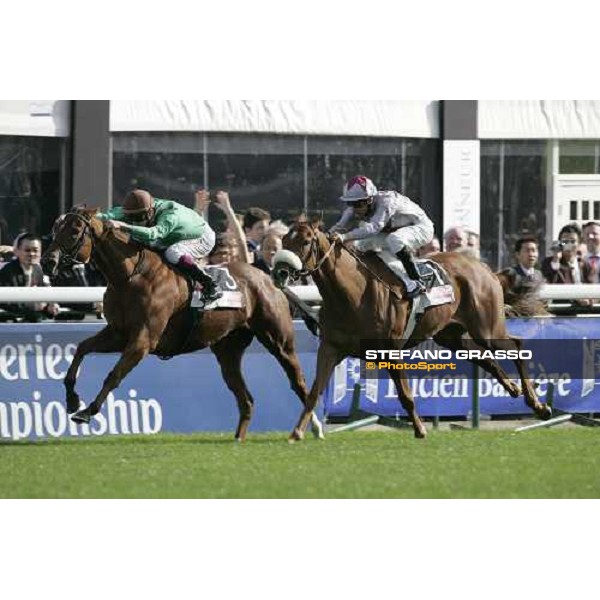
[30,184]
[282,174]
[579,157]
[513,197]
[409,166]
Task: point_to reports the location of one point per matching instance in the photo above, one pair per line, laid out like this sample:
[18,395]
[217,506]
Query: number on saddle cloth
[232,295]
[431,273]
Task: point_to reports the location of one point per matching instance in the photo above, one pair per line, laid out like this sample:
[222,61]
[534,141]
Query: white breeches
[411,237]
[196,248]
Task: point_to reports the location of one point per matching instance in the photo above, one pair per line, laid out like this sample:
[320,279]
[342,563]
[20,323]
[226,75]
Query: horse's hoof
[544,412]
[317,431]
[420,434]
[81,417]
[239,440]
[296,436]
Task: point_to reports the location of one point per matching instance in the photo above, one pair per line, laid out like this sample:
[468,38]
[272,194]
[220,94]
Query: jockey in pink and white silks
[407,225]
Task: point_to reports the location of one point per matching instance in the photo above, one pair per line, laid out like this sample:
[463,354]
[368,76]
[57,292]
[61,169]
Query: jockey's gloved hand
[335,237]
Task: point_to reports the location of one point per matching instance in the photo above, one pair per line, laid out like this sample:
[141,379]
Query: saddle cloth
[232,296]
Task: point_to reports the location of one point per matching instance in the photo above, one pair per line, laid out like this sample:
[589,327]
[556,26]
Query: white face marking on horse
[294,235]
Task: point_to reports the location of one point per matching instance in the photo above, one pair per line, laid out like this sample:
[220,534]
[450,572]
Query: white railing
[307,293]
[570,291]
[83,295]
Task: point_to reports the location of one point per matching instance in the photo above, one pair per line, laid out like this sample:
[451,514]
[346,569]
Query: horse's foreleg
[132,355]
[229,352]
[327,358]
[105,340]
[408,403]
[283,350]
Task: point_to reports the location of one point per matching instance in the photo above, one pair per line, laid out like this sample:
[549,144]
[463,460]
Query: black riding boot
[411,269]
[210,292]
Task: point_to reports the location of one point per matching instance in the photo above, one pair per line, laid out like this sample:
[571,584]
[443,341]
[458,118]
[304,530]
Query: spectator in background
[473,243]
[256,222]
[6,255]
[582,249]
[433,246]
[591,257]
[454,239]
[269,247]
[226,250]
[278,228]
[564,265]
[25,271]
[232,246]
[201,200]
[521,281]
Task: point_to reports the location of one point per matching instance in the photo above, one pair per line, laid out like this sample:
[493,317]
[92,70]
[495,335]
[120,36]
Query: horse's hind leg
[134,352]
[451,337]
[542,411]
[105,340]
[493,334]
[229,352]
[281,346]
[408,404]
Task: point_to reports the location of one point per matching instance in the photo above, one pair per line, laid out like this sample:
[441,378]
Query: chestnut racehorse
[362,300]
[146,305]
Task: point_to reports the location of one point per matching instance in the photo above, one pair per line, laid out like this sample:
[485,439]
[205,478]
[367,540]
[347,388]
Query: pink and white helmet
[358,188]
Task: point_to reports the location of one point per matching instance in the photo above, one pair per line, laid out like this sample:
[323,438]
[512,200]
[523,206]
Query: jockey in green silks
[169,227]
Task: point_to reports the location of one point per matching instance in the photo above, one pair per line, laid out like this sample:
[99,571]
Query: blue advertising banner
[184,394]
[187,393]
[570,361]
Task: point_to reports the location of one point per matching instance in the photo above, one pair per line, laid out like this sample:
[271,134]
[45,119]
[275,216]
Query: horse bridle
[72,252]
[313,252]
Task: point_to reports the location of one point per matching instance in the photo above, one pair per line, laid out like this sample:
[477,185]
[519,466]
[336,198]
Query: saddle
[232,296]
[438,289]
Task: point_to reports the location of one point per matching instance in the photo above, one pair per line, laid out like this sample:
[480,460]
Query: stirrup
[416,291]
[211,294]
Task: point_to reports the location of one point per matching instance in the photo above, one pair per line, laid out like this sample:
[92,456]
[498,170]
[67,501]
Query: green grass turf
[558,463]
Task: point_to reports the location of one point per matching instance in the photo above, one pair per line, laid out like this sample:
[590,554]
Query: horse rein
[314,251]
[369,270]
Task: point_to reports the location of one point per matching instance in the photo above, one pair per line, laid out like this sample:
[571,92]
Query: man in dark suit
[565,265]
[25,271]
[592,256]
[521,281]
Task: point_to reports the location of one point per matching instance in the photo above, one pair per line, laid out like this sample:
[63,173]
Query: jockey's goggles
[137,217]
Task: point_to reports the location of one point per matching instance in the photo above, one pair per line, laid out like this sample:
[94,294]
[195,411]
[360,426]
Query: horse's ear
[316,223]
